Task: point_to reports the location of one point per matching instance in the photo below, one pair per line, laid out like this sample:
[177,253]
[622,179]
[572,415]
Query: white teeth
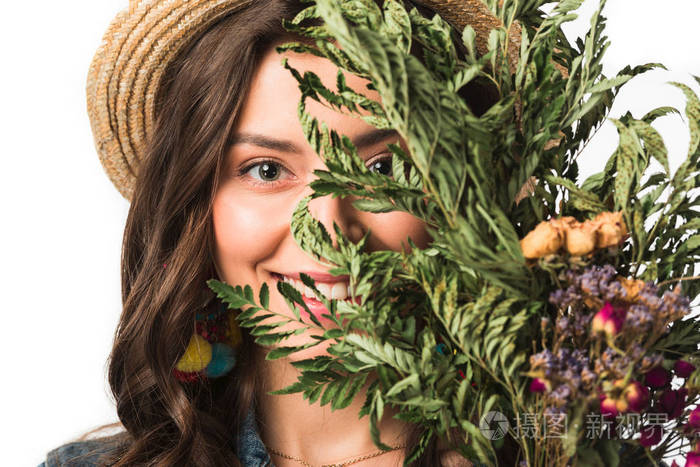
[339,291]
[325,289]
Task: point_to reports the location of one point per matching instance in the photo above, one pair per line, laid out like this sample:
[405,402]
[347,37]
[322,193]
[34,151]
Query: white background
[62,220]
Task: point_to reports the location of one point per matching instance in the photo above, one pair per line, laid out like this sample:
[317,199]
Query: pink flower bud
[694,418]
[657,377]
[636,395]
[609,320]
[539,385]
[683,369]
[672,402]
[651,435]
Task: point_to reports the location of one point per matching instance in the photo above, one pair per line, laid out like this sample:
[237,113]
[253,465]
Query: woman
[191,96]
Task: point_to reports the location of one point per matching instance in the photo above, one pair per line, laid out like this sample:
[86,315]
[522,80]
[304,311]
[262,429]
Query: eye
[382,164]
[265,172]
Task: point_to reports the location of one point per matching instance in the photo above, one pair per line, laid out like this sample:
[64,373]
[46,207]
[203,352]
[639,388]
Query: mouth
[332,287]
[335,290]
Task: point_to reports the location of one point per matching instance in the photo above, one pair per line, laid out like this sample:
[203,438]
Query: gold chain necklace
[342,464]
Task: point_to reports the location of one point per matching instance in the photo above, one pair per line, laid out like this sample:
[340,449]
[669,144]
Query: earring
[211,352]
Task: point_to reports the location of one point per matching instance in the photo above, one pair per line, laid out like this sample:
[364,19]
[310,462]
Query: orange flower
[564,222]
[581,239]
[631,286]
[611,229]
[607,229]
[545,239]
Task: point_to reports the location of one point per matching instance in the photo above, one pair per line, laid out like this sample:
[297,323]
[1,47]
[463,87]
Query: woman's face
[268,170]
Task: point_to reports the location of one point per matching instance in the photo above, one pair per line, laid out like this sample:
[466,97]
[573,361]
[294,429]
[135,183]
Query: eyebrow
[370,138]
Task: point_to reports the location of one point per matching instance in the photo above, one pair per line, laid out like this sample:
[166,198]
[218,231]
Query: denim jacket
[251,450]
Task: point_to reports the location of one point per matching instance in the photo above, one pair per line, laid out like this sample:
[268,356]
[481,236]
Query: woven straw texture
[126,71]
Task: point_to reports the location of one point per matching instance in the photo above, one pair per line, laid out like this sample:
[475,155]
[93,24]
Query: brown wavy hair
[167,254]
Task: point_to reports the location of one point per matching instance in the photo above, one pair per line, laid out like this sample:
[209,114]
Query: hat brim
[141,41]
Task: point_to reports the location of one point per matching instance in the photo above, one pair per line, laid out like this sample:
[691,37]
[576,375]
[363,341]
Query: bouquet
[559,318]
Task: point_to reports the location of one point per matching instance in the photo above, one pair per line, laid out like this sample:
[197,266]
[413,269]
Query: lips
[337,289]
[316,276]
[334,290]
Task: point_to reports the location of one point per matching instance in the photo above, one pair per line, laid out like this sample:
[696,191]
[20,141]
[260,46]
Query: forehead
[272,102]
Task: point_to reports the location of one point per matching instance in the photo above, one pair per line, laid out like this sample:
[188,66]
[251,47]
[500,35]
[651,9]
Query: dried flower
[609,320]
[672,402]
[611,362]
[636,395]
[651,435]
[657,377]
[683,369]
[544,240]
[539,385]
[581,239]
[650,361]
[640,319]
[560,396]
[694,418]
[631,286]
[692,459]
[611,229]
[671,306]
[608,407]
[588,378]
[594,280]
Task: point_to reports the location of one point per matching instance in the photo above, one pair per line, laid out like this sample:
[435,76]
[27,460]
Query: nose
[328,209]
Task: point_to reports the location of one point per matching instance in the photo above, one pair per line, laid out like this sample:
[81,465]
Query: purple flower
[640,317]
[683,369]
[657,377]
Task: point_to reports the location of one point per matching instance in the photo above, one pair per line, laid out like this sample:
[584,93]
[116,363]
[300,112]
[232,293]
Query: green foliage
[443,334]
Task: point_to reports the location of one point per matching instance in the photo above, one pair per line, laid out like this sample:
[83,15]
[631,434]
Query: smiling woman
[62,240]
[208,147]
[268,170]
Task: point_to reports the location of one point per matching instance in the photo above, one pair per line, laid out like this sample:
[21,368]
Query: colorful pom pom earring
[211,352]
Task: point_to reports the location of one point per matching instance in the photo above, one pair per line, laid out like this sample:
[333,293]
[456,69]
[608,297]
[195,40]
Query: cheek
[243,236]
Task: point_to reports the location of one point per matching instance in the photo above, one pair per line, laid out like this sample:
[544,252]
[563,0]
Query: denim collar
[251,450]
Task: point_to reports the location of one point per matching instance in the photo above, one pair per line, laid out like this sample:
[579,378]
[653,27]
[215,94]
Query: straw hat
[126,71]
